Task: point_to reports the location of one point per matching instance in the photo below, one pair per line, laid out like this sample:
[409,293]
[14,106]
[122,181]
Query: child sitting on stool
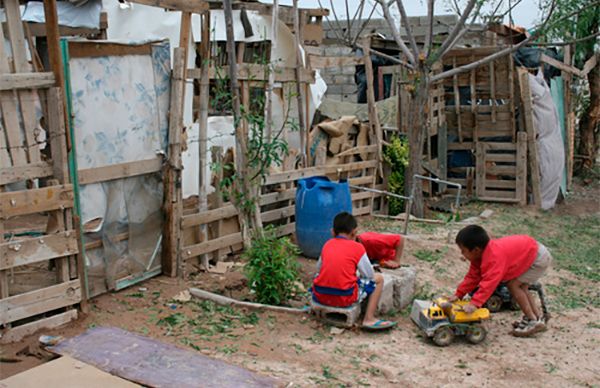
[337,284]
[386,249]
[517,260]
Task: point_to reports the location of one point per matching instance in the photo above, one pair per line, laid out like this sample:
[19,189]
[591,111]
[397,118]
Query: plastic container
[318,201]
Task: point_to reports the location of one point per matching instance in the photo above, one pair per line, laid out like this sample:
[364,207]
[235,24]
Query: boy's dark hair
[345,223]
[472,236]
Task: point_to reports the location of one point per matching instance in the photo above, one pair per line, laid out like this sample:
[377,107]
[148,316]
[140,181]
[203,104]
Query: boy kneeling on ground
[517,260]
[337,284]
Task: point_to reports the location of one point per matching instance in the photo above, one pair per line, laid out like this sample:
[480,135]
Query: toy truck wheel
[443,336]
[494,304]
[476,334]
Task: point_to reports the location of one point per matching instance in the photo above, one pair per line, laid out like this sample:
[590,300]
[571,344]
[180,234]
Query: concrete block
[337,316]
[404,280]
[386,302]
[334,89]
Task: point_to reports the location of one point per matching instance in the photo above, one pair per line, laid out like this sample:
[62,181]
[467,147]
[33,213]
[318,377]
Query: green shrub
[272,268]
[396,155]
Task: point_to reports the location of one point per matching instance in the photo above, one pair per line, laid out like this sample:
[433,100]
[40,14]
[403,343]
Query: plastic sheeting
[120,108]
[551,151]
[86,15]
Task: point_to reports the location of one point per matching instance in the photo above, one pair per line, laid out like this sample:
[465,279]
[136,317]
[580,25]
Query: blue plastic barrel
[318,201]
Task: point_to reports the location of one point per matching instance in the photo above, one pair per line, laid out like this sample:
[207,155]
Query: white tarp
[551,152]
[86,15]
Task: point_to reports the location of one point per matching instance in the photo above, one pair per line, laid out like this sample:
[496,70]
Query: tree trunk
[417,128]
[589,126]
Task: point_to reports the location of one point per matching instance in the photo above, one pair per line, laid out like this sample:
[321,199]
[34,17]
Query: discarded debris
[487,213]
[336,330]
[50,340]
[183,296]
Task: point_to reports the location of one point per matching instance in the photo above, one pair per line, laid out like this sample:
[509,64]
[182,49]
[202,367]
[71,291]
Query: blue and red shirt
[336,283]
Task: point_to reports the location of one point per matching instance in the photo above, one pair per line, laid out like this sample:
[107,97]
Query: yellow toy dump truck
[443,320]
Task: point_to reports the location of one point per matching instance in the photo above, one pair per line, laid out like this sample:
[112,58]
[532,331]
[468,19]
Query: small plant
[271,267]
[396,155]
[430,256]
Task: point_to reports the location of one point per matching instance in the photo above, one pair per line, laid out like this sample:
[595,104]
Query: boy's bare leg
[532,301]
[369,318]
[396,262]
[521,295]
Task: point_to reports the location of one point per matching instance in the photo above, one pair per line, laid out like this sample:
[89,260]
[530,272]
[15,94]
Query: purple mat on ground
[154,363]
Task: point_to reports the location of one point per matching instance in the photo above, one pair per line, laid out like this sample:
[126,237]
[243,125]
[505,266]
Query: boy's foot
[530,328]
[379,325]
[520,323]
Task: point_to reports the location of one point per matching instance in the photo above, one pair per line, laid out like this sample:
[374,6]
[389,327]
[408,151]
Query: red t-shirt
[339,262]
[502,260]
[380,247]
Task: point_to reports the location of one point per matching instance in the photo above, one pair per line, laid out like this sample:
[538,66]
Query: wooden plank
[21,65]
[95,48]
[26,81]
[324,62]
[589,65]
[277,214]
[120,171]
[256,72]
[208,216]
[488,198]
[99,243]
[510,195]
[358,150]
[194,6]
[321,170]
[16,334]
[28,171]
[9,117]
[17,203]
[532,150]
[40,301]
[457,102]
[171,259]
[501,170]
[561,66]
[33,250]
[212,245]
[480,169]
[521,179]
[504,158]
[500,184]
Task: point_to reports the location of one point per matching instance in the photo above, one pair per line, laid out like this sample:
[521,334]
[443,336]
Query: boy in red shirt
[517,260]
[337,284]
[384,248]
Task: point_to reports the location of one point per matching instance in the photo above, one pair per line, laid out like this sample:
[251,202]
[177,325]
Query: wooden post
[299,97]
[480,168]
[271,81]
[172,263]
[569,130]
[203,127]
[216,153]
[457,103]
[521,177]
[532,149]
[474,102]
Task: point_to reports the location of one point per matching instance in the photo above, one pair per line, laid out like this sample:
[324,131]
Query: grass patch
[430,256]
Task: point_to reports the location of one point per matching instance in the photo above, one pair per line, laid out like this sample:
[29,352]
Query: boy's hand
[469,308]
[452,298]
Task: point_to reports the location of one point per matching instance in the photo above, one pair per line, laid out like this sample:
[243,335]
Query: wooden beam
[561,66]
[95,48]
[194,6]
[33,250]
[39,301]
[26,81]
[21,173]
[120,171]
[255,72]
[16,334]
[589,65]
[15,203]
[288,176]
[521,179]
[532,149]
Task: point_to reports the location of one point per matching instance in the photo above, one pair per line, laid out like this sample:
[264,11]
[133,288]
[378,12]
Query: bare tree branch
[429,36]
[336,31]
[464,30]
[409,34]
[386,13]
[386,56]
[364,25]
[552,44]
[508,50]
[348,18]
[358,13]
[454,33]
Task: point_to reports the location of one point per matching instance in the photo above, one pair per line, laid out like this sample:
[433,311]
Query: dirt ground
[301,351]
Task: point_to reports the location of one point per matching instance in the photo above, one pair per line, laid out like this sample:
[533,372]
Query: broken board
[65,372]
[153,363]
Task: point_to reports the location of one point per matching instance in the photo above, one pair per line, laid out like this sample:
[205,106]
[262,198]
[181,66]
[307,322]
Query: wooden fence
[25,158]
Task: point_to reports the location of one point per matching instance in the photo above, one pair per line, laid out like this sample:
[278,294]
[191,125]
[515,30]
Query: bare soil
[302,351]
